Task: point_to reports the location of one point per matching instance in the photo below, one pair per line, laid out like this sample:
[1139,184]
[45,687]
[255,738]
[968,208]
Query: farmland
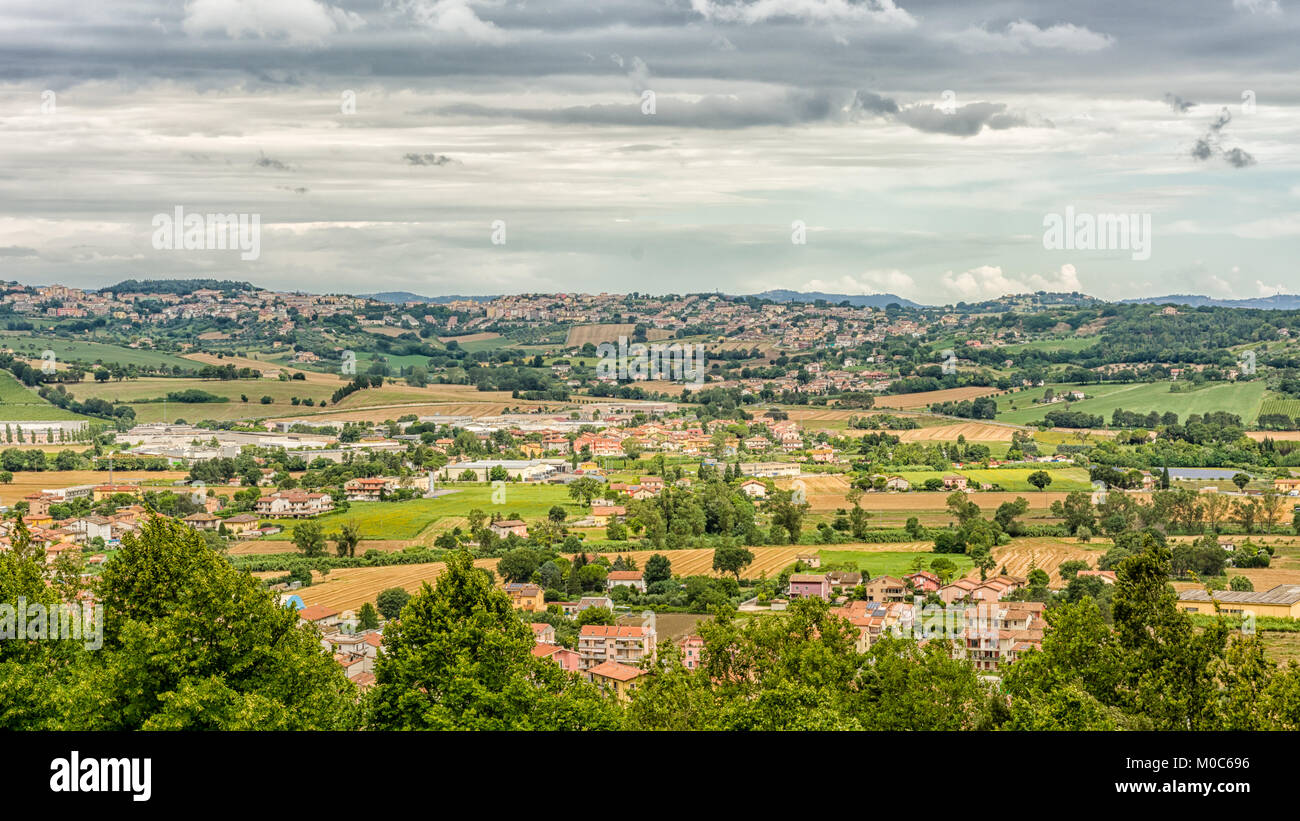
[26,482]
[891,562]
[1242,399]
[18,403]
[913,401]
[351,587]
[406,520]
[96,352]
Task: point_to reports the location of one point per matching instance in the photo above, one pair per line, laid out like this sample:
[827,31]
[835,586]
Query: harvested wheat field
[580,335]
[827,492]
[1045,553]
[973,431]
[28,482]
[349,588]
[920,400]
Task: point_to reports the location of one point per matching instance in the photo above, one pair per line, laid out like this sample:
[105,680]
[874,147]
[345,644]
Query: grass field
[1243,399]
[407,520]
[19,403]
[891,562]
[98,352]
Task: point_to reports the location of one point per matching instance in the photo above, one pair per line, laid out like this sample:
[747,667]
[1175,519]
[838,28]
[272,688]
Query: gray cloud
[1178,103]
[429,159]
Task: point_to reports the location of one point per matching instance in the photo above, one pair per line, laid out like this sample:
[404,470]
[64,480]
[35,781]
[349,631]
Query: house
[370,489]
[812,560]
[842,580]
[614,677]
[295,504]
[996,634]
[598,643]
[897,483]
[1287,486]
[567,659]
[88,528]
[626,578]
[202,521]
[525,596]
[504,527]
[954,481]
[691,647]
[543,633]
[241,523]
[605,514]
[924,582]
[319,615]
[754,489]
[101,492]
[886,589]
[803,585]
[1282,601]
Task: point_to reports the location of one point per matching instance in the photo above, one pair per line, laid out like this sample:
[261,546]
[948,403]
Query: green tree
[391,601]
[367,617]
[460,659]
[309,538]
[732,559]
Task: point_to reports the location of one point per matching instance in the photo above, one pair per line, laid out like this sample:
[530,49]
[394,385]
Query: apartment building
[996,633]
[598,643]
[295,504]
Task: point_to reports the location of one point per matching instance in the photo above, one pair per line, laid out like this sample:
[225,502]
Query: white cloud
[1285,225]
[988,282]
[868,282]
[1269,7]
[456,17]
[880,12]
[300,21]
[1022,36]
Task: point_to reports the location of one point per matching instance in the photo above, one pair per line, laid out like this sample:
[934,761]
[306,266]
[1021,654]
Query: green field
[98,352]
[1244,399]
[18,403]
[1015,480]
[891,562]
[1073,343]
[1288,407]
[406,520]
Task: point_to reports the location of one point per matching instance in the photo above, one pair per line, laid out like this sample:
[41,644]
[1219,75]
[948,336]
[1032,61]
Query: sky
[658,146]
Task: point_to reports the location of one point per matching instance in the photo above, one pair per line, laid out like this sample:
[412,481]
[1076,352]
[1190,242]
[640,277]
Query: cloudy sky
[853,146]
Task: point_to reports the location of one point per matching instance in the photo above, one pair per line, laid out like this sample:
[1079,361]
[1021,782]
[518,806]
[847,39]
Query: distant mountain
[1278,302]
[398,297]
[856,300]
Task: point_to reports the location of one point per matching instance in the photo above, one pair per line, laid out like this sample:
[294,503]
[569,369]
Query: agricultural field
[1014,480]
[407,520]
[1046,553]
[1288,407]
[19,403]
[913,401]
[97,352]
[1243,399]
[580,335]
[890,560]
[27,482]
[983,432]
[349,588]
